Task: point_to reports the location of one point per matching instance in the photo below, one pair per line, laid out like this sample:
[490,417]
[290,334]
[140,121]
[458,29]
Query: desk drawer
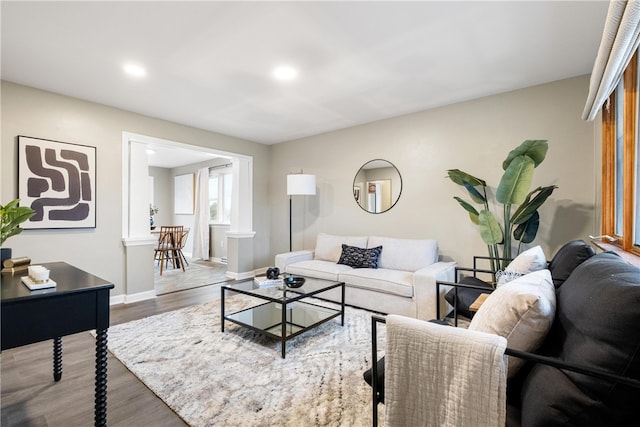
[30,321]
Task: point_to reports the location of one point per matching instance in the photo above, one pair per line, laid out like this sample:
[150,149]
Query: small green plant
[513,190]
[11,216]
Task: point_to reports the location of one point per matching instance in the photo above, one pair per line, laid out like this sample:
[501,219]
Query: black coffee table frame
[285,300]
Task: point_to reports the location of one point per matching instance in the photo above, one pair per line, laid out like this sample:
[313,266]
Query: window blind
[620,39]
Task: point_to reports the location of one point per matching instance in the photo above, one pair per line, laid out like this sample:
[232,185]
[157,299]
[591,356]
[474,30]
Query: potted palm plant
[11,216]
[519,206]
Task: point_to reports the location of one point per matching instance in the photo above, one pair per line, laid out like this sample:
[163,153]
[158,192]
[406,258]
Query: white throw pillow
[531,260]
[329,247]
[522,311]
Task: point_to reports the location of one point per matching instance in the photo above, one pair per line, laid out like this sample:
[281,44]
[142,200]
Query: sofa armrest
[424,287]
[283,260]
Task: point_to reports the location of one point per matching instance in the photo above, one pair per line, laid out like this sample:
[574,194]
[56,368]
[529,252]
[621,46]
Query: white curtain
[620,40]
[201,217]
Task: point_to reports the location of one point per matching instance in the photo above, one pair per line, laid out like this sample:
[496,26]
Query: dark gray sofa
[596,329]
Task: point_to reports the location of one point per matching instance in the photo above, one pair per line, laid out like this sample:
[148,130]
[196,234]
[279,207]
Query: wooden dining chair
[169,247]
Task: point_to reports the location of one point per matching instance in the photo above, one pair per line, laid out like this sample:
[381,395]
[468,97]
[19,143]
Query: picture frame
[58,181]
[183,194]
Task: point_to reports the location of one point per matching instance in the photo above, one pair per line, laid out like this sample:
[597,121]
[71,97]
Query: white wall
[32,112]
[474,136]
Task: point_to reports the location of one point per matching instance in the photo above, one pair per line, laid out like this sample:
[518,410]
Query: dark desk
[79,302]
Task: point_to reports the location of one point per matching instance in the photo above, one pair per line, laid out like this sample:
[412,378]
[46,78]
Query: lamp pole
[298,185]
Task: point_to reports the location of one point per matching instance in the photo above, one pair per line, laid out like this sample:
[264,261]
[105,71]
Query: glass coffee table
[284,314]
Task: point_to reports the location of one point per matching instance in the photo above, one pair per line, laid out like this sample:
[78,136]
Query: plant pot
[5,253]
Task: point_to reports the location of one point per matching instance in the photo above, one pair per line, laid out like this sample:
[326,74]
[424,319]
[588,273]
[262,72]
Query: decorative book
[263,282]
[33,285]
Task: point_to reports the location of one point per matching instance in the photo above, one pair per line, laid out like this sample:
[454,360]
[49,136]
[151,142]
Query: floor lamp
[299,185]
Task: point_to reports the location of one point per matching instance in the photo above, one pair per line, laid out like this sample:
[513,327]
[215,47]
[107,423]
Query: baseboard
[241,276]
[261,271]
[128,299]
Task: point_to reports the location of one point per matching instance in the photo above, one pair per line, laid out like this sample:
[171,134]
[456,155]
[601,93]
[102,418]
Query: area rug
[238,378]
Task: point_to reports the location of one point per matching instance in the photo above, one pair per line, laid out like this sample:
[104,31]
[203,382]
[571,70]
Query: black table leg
[342,307]
[283,340]
[101,378]
[221,309]
[57,359]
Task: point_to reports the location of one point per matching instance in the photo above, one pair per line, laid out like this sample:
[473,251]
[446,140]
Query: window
[620,164]
[220,187]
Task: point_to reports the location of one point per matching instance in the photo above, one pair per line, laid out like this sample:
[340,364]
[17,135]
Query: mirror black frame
[359,190]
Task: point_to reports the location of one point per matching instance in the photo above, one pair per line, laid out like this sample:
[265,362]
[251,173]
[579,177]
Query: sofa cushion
[467,296]
[568,257]
[356,257]
[597,324]
[533,259]
[405,254]
[522,311]
[316,268]
[329,247]
[393,282]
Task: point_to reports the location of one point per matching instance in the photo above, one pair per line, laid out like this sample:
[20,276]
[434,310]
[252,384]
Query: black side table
[79,302]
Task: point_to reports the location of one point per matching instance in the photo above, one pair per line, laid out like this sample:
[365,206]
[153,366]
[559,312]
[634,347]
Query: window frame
[223,175]
[630,148]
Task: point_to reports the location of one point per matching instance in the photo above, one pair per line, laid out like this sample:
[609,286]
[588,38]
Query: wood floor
[30,397]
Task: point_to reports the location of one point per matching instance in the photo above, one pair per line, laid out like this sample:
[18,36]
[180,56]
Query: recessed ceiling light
[285,72]
[150,151]
[135,70]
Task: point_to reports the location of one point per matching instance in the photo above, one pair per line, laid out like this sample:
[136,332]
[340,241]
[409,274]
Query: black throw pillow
[596,325]
[568,257]
[356,257]
[466,296]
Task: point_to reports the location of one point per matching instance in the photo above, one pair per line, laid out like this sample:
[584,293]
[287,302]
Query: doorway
[139,195]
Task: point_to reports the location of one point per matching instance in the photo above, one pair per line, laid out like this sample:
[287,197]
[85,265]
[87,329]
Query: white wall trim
[139,241]
[128,299]
[241,235]
[241,276]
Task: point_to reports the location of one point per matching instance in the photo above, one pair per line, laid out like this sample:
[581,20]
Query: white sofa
[403,283]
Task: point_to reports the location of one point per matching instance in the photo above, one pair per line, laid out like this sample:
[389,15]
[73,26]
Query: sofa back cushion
[329,247]
[568,257]
[405,254]
[597,324]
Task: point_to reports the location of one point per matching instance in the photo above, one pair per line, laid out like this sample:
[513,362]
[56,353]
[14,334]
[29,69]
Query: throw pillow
[531,260]
[466,296]
[356,257]
[522,311]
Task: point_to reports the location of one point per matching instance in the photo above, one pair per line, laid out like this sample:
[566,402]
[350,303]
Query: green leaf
[473,213]
[474,194]
[516,181]
[490,229]
[530,206]
[11,216]
[536,149]
[459,177]
[526,232]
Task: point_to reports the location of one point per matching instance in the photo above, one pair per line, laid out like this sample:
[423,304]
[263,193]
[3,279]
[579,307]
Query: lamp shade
[301,185]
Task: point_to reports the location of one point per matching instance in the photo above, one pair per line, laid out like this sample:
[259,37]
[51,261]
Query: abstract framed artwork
[58,181]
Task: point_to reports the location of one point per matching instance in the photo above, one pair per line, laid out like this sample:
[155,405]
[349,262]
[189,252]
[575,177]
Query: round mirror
[377,186]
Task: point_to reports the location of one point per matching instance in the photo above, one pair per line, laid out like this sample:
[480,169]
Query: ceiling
[209,64]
